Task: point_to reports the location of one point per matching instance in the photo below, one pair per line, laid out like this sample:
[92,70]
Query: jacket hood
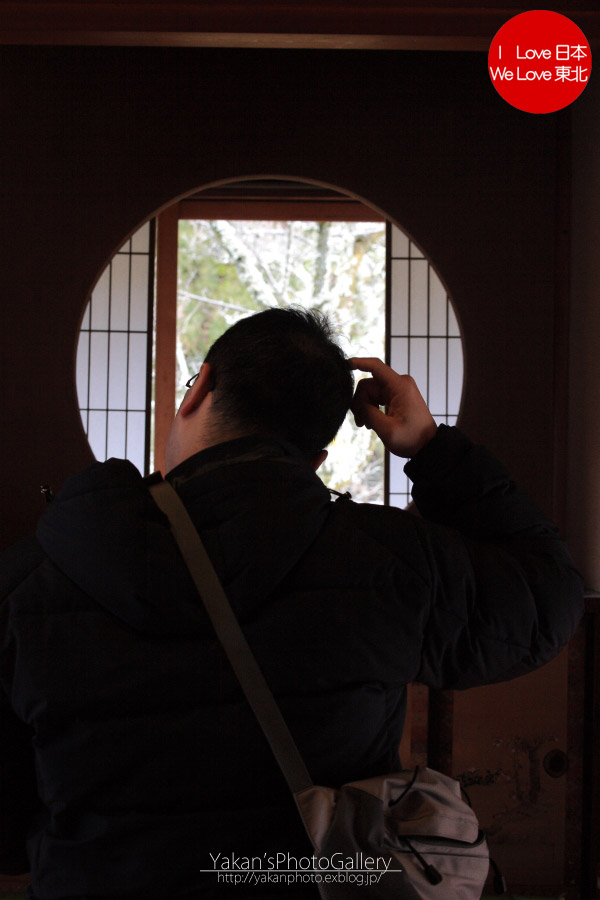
[257,506]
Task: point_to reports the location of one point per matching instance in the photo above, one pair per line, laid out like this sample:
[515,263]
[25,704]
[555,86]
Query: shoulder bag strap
[230,634]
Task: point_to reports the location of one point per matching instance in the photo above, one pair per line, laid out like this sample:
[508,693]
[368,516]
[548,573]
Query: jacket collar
[243,449]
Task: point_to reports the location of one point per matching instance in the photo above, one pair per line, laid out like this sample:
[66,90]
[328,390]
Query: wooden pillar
[166,325]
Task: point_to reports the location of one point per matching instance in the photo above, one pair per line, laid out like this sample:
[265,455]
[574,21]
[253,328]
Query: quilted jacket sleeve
[17,790]
[18,787]
[505,595]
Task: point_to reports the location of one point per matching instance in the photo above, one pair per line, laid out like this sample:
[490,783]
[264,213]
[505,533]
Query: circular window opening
[236,250]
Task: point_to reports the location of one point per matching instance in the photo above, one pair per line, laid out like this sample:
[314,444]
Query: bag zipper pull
[431,873]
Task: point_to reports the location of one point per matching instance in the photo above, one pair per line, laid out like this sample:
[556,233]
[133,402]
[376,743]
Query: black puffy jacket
[118,699]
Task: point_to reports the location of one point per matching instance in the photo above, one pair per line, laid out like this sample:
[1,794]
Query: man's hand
[407,425]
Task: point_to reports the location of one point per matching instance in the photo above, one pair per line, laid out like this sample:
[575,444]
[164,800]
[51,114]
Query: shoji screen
[424,340]
[114,354]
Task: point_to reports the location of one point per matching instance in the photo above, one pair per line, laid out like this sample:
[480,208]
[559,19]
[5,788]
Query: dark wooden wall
[96,140]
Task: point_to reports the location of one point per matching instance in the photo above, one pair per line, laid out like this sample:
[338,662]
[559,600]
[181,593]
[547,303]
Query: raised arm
[505,595]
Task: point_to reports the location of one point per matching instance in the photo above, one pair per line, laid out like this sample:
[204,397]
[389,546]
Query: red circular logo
[540,61]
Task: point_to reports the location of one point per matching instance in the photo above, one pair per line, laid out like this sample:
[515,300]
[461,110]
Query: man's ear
[202,386]
[318,459]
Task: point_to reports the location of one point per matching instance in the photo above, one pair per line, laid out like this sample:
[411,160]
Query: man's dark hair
[282,372]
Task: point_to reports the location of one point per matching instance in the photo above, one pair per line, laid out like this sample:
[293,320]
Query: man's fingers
[375,419]
[365,408]
[368,364]
[383,375]
[368,391]
[406,425]
[367,396]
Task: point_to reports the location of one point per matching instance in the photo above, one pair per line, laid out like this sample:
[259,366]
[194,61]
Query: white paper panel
[138,313]
[116,434]
[136,396]
[453,328]
[117,376]
[438,305]
[119,293]
[399,297]
[455,375]
[399,242]
[81,367]
[140,241]
[401,501]
[399,355]
[418,297]
[399,482]
[437,376]
[415,252]
[418,363]
[85,322]
[136,438]
[97,433]
[98,369]
[100,299]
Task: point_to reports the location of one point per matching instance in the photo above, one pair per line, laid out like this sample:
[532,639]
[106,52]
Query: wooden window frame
[246,203]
